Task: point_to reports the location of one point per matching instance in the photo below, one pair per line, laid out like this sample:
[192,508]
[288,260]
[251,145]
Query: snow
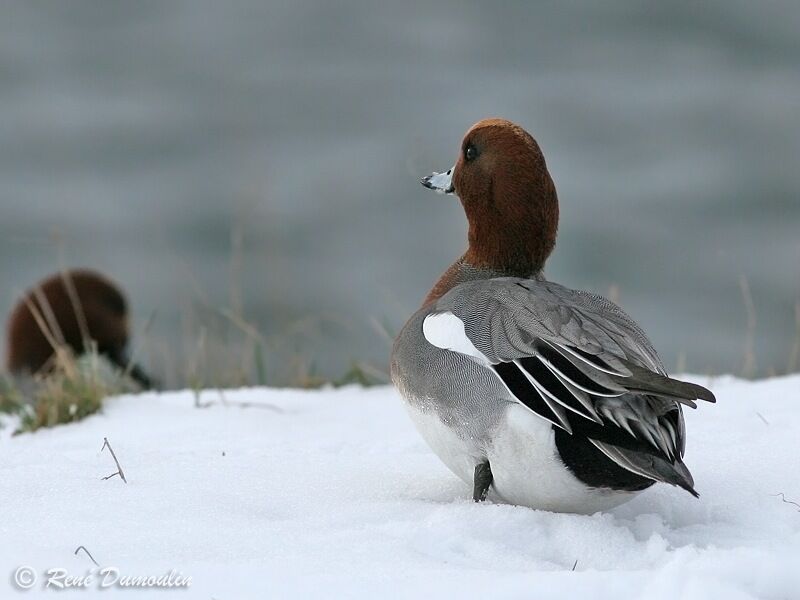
[332,493]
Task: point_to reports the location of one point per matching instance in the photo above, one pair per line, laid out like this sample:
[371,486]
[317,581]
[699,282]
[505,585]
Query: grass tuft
[74,389]
[11,399]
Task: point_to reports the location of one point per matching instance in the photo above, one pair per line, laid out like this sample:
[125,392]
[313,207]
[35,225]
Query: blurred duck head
[77,309]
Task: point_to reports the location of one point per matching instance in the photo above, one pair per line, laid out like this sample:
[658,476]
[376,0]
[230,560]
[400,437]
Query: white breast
[524,460]
[460,455]
[528,471]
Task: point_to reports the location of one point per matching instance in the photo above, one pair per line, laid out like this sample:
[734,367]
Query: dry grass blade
[89,554]
[785,501]
[49,315]
[791,367]
[114,456]
[62,353]
[138,346]
[382,329]
[749,363]
[77,307]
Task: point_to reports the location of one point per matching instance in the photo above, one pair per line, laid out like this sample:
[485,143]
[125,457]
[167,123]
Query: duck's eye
[470,152]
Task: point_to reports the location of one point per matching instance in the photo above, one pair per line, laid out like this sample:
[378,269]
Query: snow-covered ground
[282,493]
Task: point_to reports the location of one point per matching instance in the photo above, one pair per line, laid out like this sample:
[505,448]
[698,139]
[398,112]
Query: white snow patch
[332,493]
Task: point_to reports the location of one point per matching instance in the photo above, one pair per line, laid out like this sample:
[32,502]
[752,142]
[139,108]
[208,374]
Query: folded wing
[578,361]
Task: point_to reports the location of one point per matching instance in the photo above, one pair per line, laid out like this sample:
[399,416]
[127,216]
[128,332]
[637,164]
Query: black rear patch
[593,468]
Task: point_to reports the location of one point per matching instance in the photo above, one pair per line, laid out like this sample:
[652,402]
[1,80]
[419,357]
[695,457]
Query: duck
[65,308]
[533,393]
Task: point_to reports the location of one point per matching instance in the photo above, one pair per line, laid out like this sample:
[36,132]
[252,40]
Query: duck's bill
[441,183]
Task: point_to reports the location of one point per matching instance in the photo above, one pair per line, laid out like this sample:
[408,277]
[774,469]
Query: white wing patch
[446,331]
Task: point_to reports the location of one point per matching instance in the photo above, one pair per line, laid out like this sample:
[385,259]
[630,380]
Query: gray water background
[147,139]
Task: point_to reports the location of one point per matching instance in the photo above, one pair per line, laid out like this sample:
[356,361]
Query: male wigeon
[553,398]
[67,304]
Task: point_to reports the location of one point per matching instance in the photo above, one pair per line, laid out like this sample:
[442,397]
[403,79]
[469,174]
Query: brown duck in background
[71,305]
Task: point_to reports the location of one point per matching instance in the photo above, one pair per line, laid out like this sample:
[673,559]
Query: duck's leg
[483,479]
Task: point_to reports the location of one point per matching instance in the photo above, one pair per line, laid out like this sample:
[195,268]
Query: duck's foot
[483,479]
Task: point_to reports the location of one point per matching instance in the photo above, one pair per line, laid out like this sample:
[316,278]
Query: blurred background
[248,171]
